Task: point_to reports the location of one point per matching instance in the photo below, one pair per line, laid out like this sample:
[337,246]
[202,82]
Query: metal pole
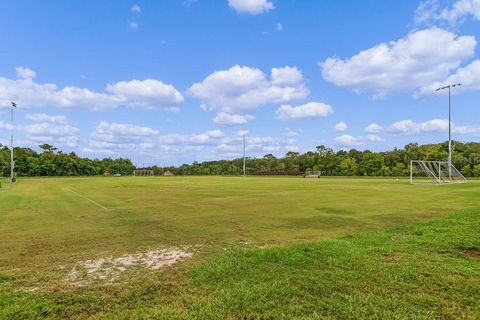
[449,135]
[449,87]
[244,152]
[12,164]
[411,172]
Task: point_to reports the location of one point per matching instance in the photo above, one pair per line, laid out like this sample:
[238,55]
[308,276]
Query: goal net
[434,172]
[142,173]
[312,174]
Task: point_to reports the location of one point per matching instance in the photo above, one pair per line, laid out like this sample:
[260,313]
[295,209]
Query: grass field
[247,248]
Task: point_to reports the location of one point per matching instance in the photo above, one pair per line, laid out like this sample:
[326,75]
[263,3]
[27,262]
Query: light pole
[449,87]
[12,164]
[244,151]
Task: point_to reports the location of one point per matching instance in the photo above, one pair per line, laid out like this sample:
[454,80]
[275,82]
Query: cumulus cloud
[429,11]
[348,141]
[374,138]
[407,64]
[207,138]
[226,119]
[147,93]
[121,138]
[341,126]
[291,133]
[43,117]
[55,134]
[286,75]
[25,73]
[409,127]
[115,132]
[223,145]
[49,129]
[252,7]
[373,128]
[242,89]
[468,76]
[308,110]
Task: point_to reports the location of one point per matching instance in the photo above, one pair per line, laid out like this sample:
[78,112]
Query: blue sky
[171,82]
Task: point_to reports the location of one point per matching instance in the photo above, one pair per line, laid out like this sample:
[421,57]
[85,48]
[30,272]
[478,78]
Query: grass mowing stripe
[86,198]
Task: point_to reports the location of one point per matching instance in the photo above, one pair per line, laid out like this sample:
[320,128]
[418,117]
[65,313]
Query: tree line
[53,162]
[465,157]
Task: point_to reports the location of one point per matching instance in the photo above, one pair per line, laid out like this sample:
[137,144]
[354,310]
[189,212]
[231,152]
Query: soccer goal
[434,172]
[312,174]
[142,173]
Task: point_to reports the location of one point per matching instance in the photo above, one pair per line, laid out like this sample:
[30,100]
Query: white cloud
[231,119]
[347,140]
[279,26]
[132,25]
[147,93]
[243,89]
[426,11]
[115,132]
[43,117]
[221,145]
[44,129]
[373,128]
[136,8]
[55,134]
[290,133]
[374,138]
[252,7]
[468,76]
[286,75]
[403,65]
[308,110]
[341,126]
[207,138]
[96,151]
[25,73]
[409,127]
[6,126]
[121,139]
[429,11]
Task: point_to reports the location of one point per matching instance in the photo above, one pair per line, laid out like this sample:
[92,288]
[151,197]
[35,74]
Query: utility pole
[244,152]
[12,163]
[449,87]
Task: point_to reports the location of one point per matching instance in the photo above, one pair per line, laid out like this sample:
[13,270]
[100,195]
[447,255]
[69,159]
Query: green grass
[263,248]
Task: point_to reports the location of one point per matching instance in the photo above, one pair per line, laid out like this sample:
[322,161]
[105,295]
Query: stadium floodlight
[449,87]
[12,163]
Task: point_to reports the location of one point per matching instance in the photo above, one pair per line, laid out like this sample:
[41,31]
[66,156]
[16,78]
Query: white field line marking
[92,201]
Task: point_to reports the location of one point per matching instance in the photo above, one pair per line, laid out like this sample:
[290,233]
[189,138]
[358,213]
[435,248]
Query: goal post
[142,173]
[434,172]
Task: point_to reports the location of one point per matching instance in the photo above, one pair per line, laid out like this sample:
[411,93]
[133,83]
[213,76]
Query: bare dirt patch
[109,268]
[471,254]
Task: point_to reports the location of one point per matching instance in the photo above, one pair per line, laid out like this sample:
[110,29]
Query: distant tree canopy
[466,157]
[52,162]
